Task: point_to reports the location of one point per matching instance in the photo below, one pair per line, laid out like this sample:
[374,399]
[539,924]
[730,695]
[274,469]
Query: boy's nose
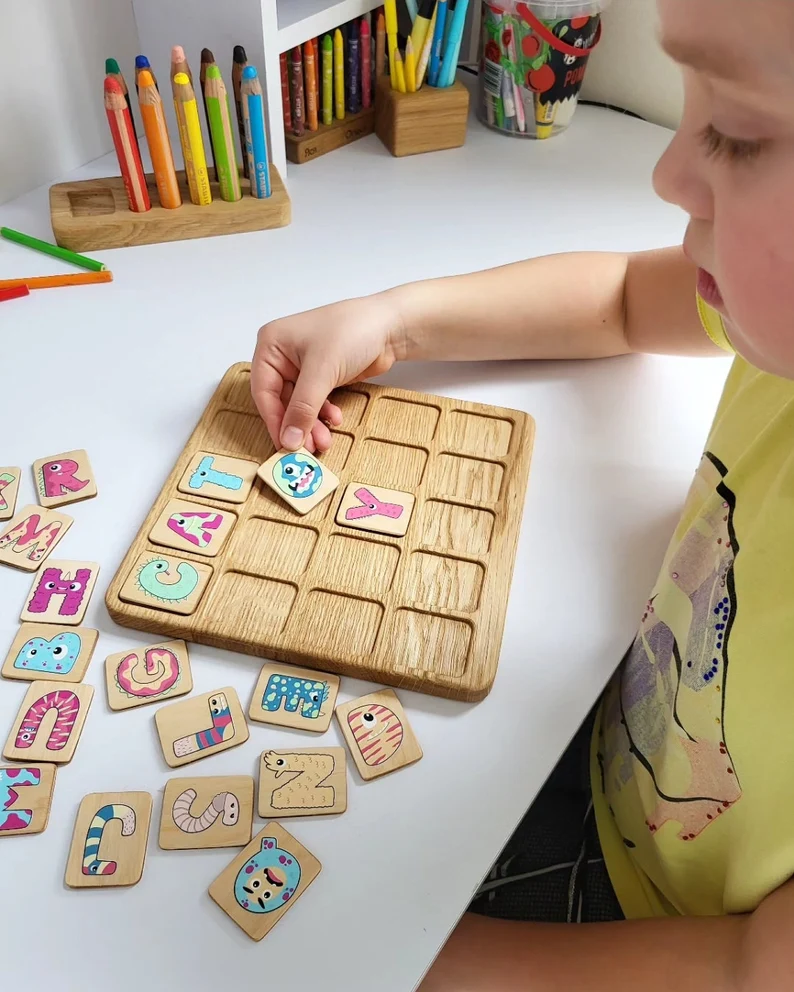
[677,178]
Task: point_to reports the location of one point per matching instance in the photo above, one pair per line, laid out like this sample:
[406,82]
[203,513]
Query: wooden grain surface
[425,611]
[121,855]
[313,144]
[94,214]
[50,652]
[29,812]
[201,812]
[427,121]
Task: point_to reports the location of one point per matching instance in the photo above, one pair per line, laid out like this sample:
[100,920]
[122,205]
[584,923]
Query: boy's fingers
[311,391]
[266,389]
[331,413]
[321,437]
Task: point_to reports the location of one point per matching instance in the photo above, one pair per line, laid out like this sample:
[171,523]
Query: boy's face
[731,165]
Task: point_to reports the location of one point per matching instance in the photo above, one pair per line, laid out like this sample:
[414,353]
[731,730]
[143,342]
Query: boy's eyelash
[734,149]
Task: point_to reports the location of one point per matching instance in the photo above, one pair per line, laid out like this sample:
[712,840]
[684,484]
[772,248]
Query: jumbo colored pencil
[55,250]
[339,75]
[120,121]
[298,92]
[219,115]
[156,131]
[353,99]
[286,109]
[53,282]
[328,79]
[207,59]
[112,69]
[239,62]
[310,85]
[255,140]
[187,117]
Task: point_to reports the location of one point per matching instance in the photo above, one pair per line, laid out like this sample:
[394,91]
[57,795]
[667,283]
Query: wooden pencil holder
[427,121]
[313,144]
[95,214]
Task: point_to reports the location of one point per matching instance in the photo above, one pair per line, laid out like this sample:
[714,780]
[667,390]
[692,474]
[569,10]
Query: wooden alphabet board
[109,841]
[65,478]
[203,725]
[306,781]
[205,812]
[378,734]
[9,487]
[299,478]
[148,675]
[424,611]
[31,536]
[25,798]
[265,880]
[50,651]
[294,697]
[61,592]
[49,722]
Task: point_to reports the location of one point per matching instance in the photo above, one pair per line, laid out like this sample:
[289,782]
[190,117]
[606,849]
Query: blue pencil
[438,41]
[255,140]
[452,48]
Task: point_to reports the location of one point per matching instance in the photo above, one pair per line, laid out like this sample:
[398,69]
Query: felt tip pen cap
[112,85]
[145,78]
[111,65]
[141,62]
[239,55]
[177,54]
[213,72]
[181,79]
[249,72]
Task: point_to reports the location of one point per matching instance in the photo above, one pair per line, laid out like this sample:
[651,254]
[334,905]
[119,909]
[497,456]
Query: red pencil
[13,293]
[285,91]
[365,48]
[126,147]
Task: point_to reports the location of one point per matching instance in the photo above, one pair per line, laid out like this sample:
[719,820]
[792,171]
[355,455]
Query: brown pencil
[240,61]
[207,59]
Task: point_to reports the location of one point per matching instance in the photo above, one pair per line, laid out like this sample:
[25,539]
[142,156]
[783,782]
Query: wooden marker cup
[426,121]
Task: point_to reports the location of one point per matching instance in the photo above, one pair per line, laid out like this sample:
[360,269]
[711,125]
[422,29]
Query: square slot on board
[462,529]
[337,455]
[476,434]
[465,478]
[338,626]
[444,583]
[240,434]
[425,642]
[352,404]
[257,605]
[265,503]
[393,466]
[403,420]
[272,548]
[238,395]
[358,565]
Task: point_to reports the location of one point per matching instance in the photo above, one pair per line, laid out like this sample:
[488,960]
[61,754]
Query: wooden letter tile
[109,840]
[165,583]
[194,527]
[298,478]
[218,477]
[201,726]
[61,592]
[265,880]
[378,734]
[384,511]
[148,675]
[294,697]
[49,722]
[25,798]
[207,812]
[32,535]
[9,487]
[308,781]
[49,651]
[65,478]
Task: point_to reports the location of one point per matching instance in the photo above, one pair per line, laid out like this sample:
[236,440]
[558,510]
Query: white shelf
[299,20]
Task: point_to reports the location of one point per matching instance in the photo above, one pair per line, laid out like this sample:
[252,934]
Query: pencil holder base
[429,120]
[327,138]
[95,214]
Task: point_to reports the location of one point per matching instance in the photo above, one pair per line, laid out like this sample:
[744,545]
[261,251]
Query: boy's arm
[588,305]
[753,953]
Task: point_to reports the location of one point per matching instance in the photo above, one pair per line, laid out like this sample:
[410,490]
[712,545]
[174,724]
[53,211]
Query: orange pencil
[318,69]
[51,282]
[156,130]
[310,84]
[380,46]
[129,157]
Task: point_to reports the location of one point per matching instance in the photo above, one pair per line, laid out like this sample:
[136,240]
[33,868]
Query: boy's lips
[709,290]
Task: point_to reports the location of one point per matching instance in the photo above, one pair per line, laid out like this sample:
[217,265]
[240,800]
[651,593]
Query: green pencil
[48,249]
[220,121]
[327,79]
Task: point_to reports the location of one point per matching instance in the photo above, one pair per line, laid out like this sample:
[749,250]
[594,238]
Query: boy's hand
[299,360]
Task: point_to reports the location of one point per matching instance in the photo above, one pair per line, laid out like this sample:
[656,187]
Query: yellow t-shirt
[694,743]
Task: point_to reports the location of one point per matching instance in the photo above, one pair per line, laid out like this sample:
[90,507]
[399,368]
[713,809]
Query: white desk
[124,371]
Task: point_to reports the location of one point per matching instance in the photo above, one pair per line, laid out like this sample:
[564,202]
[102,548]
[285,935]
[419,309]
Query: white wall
[629,68]
[52,63]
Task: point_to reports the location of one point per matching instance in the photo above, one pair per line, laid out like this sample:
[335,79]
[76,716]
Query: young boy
[692,744]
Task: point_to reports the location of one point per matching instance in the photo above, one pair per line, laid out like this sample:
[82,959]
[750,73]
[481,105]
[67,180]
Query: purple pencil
[353,69]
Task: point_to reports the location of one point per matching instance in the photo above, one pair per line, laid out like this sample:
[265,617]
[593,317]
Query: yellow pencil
[424,55]
[187,116]
[398,82]
[390,10]
[339,75]
[410,67]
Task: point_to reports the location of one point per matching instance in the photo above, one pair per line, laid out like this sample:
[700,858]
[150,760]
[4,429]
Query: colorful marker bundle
[196,153]
[432,50]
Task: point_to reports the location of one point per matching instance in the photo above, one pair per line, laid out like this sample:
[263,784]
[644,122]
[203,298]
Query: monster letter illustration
[54,582]
[304,693]
[222,729]
[152,574]
[205,473]
[225,804]
[268,880]
[67,706]
[371,506]
[297,475]
[304,788]
[155,673]
[32,538]
[58,478]
[57,655]
[5,480]
[12,779]
[378,732]
[196,528]
[115,811]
